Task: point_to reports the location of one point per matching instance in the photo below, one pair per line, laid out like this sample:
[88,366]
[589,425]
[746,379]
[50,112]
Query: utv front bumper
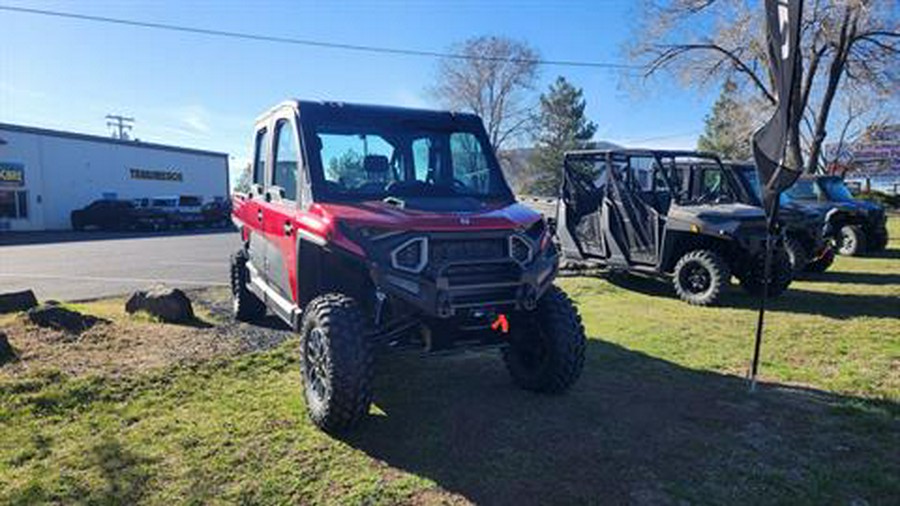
[464,286]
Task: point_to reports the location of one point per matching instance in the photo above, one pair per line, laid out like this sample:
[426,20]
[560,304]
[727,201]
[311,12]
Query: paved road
[74,266]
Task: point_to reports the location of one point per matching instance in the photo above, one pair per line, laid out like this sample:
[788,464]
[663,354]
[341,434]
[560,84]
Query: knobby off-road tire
[780,279]
[798,256]
[852,240]
[245,305]
[547,345]
[822,263]
[336,362]
[701,276]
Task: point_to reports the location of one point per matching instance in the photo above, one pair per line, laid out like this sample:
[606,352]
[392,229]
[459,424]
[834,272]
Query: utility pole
[120,125]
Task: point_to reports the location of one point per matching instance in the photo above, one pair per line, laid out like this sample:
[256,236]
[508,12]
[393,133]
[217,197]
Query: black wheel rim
[695,278]
[316,364]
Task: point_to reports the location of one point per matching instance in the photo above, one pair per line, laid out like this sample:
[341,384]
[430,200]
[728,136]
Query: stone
[14,302]
[61,318]
[170,305]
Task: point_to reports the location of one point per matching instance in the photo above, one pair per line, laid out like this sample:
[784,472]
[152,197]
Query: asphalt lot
[83,265]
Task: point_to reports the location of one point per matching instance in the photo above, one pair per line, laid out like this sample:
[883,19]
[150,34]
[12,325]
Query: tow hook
[501,324]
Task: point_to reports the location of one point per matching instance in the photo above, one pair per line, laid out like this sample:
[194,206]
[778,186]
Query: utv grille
[443,251]
[482,274]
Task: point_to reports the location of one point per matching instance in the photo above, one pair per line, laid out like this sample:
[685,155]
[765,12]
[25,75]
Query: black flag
[776,148]
[777,170]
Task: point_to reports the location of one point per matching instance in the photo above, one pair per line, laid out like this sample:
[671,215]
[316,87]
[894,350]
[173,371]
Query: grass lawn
[660,416]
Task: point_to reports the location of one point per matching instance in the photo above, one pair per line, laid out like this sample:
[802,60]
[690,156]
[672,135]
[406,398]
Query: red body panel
[319,223]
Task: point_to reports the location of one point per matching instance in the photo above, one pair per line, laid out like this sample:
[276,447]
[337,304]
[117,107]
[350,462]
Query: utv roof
[365,110]
[664,153]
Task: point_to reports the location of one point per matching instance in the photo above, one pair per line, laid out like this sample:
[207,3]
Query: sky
[204,92]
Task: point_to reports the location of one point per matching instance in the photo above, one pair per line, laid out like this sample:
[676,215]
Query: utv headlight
[411,256]
[519,249]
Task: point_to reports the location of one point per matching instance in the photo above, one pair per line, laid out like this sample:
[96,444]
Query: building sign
[12,174]
[157,175]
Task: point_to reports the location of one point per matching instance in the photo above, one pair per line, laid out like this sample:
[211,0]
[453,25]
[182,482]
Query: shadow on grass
[125,477]
[794,300]
[862,278]
[634,429]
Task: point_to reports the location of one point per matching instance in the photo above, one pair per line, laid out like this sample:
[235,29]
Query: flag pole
[760,320]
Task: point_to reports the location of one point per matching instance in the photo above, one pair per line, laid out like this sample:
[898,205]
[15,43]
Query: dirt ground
[123,345]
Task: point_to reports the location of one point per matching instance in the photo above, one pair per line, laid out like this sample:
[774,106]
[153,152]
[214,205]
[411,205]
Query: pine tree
[562,127]
[728,126]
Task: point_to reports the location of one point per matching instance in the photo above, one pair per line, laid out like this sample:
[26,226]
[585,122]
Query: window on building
[13,204]
[284,172]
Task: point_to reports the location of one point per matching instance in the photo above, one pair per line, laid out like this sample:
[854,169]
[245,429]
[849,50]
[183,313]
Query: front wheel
[700,277]
[822,263]
[797,254]
[780,276]
[336,362]
[547,345]
[852,240]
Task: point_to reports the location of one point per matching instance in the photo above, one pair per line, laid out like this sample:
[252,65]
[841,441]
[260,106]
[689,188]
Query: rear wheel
[822,263]
[779,280]
[852,240]
[797,254]
[700,277]
[547,345]
[336,363]
[246,306]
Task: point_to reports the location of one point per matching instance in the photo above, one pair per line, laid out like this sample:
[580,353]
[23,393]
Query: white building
[46,174]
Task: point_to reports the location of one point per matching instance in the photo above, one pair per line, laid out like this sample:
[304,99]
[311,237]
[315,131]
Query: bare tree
[848,46]
[492,78]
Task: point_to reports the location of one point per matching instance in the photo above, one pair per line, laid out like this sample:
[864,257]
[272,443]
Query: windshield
[752,179]
[836,190]
[391,157]
[803,189]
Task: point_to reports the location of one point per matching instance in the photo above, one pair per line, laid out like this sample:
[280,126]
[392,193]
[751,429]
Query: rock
[61,318]
[6,350]
[17,301]
[170,305]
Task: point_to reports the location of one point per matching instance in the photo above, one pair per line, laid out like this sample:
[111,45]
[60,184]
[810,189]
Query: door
[282,205]
[579,213]
[640,197]
[254,212]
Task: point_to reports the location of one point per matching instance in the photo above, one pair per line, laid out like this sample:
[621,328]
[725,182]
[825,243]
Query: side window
[287,161]
[259,161]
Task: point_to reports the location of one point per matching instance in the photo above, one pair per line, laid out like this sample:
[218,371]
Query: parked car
[104,214]
[857,226]
[216,213]
[805,241]
[181,211]
[397,231]
[673,215]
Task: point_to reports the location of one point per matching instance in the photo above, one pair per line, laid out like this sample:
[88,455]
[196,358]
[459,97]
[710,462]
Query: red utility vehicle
[371,227]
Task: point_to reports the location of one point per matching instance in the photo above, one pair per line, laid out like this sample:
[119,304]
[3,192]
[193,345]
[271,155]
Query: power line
[311,43]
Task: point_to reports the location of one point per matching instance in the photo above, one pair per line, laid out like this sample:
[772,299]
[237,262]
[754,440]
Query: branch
[673,52]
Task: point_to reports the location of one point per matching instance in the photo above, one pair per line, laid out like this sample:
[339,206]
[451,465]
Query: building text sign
[12,174]
[157,175]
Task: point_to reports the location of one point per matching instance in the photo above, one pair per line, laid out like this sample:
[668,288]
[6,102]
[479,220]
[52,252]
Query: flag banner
[777,172]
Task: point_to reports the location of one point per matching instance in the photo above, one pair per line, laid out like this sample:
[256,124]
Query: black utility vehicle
[669,214]
[114,214]
[804,225]
[856,226]
[373,227]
